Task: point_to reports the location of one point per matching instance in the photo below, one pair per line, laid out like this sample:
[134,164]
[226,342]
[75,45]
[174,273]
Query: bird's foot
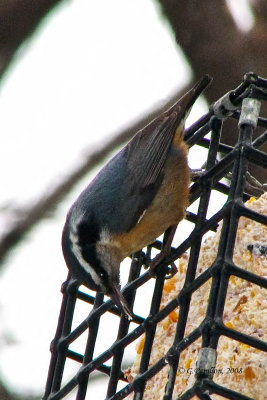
[158,259]
[172,271]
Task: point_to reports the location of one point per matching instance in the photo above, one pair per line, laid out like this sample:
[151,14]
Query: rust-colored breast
[168,206]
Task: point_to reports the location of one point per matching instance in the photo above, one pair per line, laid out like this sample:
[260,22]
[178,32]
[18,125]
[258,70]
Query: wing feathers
[154,151]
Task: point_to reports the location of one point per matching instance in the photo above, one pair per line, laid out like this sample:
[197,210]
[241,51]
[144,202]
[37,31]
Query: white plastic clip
[249,112]
[206,360]
[223,107]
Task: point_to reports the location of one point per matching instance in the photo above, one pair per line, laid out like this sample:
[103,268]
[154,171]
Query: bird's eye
[102,275]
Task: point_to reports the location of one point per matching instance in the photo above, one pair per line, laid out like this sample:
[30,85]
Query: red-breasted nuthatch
[138,195]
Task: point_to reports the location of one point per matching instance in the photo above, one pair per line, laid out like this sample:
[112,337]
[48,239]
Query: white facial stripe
[78,254]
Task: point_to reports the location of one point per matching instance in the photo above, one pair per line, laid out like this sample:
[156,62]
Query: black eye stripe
[88,233]
[89,255]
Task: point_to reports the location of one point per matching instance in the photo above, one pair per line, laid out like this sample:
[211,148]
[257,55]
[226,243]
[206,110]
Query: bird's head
[94,261]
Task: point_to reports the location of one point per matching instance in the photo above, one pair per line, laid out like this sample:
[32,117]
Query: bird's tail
[183,106]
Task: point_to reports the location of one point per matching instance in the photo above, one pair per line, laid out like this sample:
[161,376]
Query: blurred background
[77,79]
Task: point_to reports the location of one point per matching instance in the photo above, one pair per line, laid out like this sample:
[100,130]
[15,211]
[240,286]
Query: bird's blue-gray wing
[127,185]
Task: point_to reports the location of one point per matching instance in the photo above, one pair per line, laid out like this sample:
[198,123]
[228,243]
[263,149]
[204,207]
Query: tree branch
[213,44]
[18,20]
[25,219]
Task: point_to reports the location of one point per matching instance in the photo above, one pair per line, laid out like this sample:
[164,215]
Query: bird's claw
[159,257]
[172,271]
[157,260]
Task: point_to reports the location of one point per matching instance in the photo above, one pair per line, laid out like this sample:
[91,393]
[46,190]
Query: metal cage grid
[232,159]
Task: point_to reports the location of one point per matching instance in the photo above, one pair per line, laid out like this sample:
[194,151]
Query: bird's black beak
[118,298]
